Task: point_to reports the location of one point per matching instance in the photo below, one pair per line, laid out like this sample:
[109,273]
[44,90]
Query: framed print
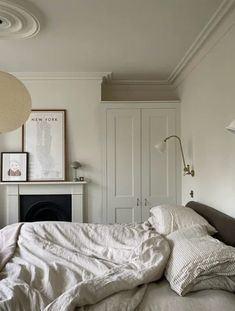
[14,166]
[44,140]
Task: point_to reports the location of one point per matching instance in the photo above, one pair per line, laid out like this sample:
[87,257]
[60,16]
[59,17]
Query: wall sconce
[162,147]
[231,127]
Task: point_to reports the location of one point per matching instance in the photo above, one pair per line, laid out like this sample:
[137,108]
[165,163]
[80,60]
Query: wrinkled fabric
[198,261]
[67,266]
[160,297]
[8,240]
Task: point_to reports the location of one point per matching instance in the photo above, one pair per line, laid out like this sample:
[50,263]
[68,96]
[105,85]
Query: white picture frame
[44,140]
[14,166]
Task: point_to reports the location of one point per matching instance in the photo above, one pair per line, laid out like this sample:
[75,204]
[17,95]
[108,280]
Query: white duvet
[68,266]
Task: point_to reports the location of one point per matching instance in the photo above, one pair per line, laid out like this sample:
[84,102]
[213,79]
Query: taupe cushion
[224,224]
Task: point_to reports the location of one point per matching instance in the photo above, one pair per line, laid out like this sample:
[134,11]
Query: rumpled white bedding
[8,240]
[160,297]
[66,266]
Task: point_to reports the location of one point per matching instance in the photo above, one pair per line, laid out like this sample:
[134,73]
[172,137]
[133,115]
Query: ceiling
[134,39]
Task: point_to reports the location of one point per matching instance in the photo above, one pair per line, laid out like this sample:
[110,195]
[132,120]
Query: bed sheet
[61,266]
[159,297]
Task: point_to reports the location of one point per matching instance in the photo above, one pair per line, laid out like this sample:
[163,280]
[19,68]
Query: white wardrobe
[137,176]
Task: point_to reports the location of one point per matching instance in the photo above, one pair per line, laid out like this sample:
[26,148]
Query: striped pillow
[198,261]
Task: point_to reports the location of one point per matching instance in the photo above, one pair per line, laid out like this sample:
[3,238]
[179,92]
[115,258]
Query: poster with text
[44,140]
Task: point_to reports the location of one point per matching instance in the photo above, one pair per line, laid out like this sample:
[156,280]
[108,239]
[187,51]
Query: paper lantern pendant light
[231,127]
[15,103]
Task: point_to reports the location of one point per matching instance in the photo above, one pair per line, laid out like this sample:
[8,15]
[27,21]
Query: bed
[62,266]
[159,295]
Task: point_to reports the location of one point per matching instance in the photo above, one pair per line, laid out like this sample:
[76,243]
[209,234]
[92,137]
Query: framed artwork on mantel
[14,166]
[44,139]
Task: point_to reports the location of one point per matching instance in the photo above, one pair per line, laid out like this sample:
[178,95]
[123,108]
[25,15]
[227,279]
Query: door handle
[138,202]
[145,202]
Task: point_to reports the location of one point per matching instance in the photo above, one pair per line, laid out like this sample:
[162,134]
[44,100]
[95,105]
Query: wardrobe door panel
[123,165]
[158,169]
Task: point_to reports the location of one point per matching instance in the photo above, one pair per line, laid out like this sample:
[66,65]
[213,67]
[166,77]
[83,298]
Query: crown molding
[200,47]
[137,82]
[112,81]
[61,75]
[188,62]
[203,36]
[174,101]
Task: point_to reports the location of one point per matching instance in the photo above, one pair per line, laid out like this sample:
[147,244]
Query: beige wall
[81,99]
[138,91]
[207,107]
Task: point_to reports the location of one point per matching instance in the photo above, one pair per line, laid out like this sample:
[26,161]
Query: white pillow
[168,218]
[198,261]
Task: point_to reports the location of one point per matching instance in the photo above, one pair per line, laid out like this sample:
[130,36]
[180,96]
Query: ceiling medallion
[16,22]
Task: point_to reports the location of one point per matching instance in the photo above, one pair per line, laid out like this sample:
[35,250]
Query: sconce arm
[187,170]
[181,148]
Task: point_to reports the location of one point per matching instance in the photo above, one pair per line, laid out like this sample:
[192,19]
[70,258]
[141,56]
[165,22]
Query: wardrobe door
[158,169]
[123,166]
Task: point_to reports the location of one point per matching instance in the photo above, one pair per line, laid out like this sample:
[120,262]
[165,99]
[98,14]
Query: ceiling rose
[16,22]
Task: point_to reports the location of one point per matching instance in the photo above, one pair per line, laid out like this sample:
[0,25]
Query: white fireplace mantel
[14,190]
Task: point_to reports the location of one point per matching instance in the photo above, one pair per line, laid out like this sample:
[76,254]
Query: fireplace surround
[17,191]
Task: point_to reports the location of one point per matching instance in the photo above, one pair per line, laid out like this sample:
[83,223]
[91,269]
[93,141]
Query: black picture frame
[14,167]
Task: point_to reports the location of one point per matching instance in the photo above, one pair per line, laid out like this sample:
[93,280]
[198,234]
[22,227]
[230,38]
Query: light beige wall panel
[208,106]
[81,99]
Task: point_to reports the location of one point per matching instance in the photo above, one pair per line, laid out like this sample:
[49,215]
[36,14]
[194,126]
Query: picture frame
[44,138]
[14,166]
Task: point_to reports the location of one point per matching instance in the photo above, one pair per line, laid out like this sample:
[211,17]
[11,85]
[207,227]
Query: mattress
[160,297]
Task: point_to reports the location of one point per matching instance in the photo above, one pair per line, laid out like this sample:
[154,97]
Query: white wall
[208,106]
[81,99]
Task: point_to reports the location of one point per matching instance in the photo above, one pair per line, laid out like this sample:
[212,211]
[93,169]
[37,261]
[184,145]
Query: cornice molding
[192,57]
[136,82]
[214,21]
[114,102]
[111,81]
[188,62]
[61,75]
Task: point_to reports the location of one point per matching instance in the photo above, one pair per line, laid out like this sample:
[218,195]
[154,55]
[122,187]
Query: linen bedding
[66,266]
[160,297]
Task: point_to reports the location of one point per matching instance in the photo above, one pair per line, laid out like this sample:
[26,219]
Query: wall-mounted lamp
[162,147]
[231,127]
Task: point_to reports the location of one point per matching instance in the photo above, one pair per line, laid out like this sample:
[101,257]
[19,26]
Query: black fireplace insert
[45,208]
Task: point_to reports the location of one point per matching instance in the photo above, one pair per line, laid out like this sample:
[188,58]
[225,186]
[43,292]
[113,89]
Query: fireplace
[45,201]
[45,208]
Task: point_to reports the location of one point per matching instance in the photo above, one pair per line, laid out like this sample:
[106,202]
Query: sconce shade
[15,103]
[231,127]
[161,146]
